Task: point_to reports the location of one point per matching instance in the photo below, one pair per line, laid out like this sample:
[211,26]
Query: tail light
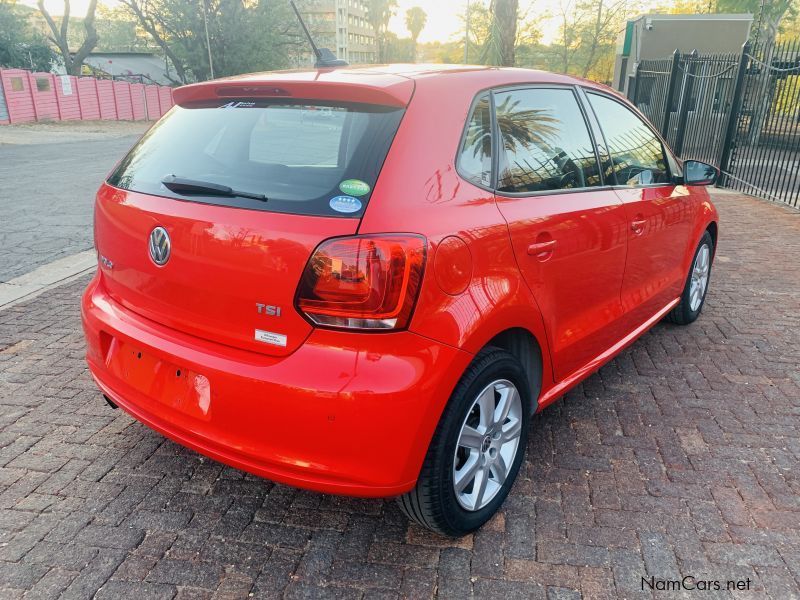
[363,282]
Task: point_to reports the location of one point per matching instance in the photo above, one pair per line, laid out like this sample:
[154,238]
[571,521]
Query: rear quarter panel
[419,191]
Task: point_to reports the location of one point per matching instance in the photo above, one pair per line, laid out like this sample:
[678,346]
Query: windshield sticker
[345,204]
[239,105]
[354,187]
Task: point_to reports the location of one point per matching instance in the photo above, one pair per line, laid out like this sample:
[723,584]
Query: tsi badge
[269,337]
[268,309]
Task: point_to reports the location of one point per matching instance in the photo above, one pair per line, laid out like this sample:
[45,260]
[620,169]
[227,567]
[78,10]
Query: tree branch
[149,26]
[59,40]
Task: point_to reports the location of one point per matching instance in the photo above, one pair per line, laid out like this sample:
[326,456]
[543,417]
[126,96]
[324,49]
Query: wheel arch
[524,346]
[707,219]
[713,229]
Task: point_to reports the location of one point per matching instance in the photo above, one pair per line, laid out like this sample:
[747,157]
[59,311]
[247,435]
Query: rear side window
[314,159]
[636,152]
[475,158]
[544,142]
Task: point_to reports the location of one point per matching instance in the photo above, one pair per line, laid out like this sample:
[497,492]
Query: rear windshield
[311,159]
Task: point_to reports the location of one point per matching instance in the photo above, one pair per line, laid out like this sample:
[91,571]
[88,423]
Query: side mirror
[699,173]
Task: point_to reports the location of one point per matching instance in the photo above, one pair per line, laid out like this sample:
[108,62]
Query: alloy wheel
[487,444]
[699,281]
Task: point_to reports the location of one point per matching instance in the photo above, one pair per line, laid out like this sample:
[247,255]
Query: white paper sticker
[66,85]
[268,337]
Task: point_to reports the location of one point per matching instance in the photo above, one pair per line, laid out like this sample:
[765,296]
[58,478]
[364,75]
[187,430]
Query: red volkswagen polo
[364,281]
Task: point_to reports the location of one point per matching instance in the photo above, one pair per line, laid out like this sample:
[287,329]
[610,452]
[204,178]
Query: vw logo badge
[159,246]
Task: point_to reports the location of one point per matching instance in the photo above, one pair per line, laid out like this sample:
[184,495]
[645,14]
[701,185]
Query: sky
[444,16]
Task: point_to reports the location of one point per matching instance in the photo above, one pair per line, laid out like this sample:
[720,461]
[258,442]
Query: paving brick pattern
[682,457]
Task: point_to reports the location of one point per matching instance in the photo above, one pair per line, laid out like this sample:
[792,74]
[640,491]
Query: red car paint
[353,412]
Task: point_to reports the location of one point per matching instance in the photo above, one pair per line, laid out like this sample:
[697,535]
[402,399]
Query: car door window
[636,152]
[544,142]
[475,157]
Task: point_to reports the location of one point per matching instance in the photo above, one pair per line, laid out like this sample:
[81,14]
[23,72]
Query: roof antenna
[325,58]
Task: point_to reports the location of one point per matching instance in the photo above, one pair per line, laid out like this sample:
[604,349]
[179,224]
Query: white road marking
[46,277]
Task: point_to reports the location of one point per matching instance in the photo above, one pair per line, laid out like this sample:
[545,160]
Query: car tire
[694,292]
[494,378]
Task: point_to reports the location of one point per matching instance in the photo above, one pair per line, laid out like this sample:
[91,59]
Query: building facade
[342,26]
[657,36]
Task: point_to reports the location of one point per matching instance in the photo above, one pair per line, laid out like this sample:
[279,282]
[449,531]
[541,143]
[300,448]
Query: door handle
[637,226]
[542,250]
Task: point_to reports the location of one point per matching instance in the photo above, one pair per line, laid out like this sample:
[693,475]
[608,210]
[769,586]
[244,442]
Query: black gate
[741,112]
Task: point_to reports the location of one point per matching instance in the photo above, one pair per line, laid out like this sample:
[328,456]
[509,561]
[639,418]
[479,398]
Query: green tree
[398,50]
[479,21]
[245,36]
[20,47]
[773,13]
[415,22]
[379,12]
[587,35]
[119,31]
[59,35]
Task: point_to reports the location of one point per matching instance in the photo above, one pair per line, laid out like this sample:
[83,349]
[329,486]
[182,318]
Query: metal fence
[739,111]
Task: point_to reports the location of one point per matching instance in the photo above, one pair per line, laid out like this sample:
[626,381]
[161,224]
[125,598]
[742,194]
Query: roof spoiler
[385,90]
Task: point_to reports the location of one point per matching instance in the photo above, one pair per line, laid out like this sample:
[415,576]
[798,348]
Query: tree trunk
[60,34]
[89,41]
[505,17]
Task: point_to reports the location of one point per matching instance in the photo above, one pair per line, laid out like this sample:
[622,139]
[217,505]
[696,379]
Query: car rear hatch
[208,223]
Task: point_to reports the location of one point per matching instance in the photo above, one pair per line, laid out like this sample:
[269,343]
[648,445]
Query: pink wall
[153,107]
[67,97]
[108,104]
[87,98]
[43,88]
[18,95]
[47,97]
[137,102]
[164,99]
[123,100]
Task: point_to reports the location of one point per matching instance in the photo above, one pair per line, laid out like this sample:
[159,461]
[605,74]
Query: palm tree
[525,128]
[415,22]
[500,46]
[378,14]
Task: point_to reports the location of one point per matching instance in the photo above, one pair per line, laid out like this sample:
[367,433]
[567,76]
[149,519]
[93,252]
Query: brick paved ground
[682,457]
[49,174]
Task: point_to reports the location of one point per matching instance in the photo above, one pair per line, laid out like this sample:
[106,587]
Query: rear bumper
[346,413]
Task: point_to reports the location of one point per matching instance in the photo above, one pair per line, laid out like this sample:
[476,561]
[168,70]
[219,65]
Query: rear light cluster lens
[363,282]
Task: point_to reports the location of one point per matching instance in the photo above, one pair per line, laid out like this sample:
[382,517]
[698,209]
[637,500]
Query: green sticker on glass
[354,187]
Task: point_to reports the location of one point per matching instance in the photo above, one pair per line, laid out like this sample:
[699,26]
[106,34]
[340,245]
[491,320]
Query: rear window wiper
[182,185]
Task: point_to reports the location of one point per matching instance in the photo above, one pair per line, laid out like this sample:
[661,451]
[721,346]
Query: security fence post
[733,111]
[673,78]
[691,64]
[633,87]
